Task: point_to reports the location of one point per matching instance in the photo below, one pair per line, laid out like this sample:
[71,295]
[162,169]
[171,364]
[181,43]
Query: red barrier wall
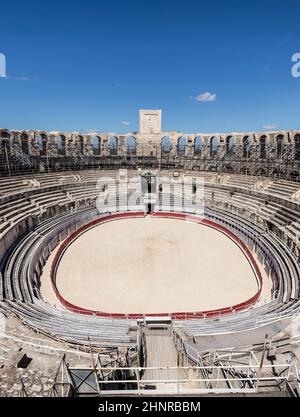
[177,315]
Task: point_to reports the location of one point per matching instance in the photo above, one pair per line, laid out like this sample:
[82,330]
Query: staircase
[162,355]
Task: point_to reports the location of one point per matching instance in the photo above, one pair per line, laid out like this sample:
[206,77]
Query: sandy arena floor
[154,265]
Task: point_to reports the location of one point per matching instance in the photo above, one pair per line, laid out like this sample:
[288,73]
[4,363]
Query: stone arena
[166,253]
[134,265]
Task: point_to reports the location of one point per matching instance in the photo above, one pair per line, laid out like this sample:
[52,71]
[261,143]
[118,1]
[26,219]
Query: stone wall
[262,153]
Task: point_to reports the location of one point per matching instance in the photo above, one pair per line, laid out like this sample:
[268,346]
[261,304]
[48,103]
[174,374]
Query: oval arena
[198,233]
[153,263]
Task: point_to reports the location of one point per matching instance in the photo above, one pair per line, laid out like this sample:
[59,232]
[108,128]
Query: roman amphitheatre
[168,260]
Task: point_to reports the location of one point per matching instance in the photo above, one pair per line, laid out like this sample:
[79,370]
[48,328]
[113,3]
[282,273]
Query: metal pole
[261,362]
[94,368]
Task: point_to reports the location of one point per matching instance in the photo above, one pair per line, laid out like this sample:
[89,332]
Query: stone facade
[262,153]
[150,121]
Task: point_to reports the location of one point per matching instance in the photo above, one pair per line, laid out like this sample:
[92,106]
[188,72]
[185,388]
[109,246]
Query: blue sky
[90,65]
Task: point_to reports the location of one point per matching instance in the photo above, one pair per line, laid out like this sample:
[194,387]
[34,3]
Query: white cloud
[16,78]
[269,126]
[124,122]
[205,97]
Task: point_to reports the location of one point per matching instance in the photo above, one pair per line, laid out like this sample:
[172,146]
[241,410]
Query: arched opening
[5,143]
[181,144]
[60,143]
[41,141]
[263,147]
[214,144]
[166,144]
[297,146]
[63,144]
[279,146]
[131,145]
[198,146]
[246,146]
[294,175]
[230,145]
[96,145]
[277,172]
[4,135]
[80,142]
[260,171]
[113,145]
[24,143]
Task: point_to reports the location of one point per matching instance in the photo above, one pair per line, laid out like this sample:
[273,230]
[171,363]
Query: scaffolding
[224,371]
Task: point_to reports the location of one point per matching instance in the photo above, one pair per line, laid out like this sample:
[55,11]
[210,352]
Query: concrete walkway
[161,352]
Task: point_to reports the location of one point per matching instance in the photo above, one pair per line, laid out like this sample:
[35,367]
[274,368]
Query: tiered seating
[244,320]
[285,220]
[282,188]
[240,181]
[67,199]
[278,258]
[20,291]
[12,185]
[287,300]
[241,202]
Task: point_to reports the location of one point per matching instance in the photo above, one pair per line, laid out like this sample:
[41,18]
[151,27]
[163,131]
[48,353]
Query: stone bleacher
[33,207]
